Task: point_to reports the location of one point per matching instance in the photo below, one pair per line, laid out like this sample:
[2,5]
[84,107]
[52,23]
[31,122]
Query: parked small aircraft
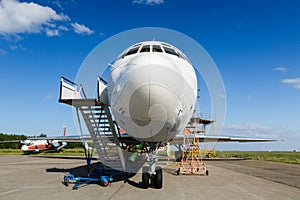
[35,146]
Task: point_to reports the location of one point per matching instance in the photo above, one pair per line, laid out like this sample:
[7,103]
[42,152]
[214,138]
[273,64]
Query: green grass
[286,157]
[11,152]
[63,152]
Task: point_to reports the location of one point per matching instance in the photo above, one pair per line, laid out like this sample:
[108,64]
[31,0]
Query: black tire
[178,156]
[145,177]
[178,171]
[207,173]
[153,181]
[158,178]
[66,182]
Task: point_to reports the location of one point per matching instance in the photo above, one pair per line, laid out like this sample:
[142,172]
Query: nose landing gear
[154,180]
[152,173]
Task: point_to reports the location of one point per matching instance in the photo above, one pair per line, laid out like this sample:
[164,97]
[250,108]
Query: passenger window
[145,48]
[170,51]
[156,48]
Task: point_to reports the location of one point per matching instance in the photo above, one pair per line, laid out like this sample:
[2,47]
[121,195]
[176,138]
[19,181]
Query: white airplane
[152,91]
[36,146]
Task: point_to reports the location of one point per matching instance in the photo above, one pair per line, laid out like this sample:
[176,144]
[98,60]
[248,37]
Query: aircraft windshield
[170,51]
[155,48]
[145,48]
[132,51]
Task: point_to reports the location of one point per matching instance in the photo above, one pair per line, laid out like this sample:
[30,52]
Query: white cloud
[17,46]
[3,52]
[148,2]
[249,130]
[82,29]
[21,17]
[248,127]
[282,69]
[48,96]
[292,82]
[52,32]
[26,18]
[58,4]
[63,28]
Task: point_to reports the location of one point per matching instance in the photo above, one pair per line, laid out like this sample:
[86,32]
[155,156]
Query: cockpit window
[181,56]
[132,51]
[145,48]
[156,48]
[139,44]
[170,51]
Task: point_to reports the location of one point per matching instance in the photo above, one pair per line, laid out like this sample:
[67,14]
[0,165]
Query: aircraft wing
[63,138]
[9,141]
[87,138]
[214,138]
[71,138]
[176,140]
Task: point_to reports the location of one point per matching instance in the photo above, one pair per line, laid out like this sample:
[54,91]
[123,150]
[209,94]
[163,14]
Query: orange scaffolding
[191,159]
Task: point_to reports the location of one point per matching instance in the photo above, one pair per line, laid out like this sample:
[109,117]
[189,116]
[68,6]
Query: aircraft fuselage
[152,90]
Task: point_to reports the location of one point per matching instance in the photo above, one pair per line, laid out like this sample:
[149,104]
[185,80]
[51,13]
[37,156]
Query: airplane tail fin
[65,131]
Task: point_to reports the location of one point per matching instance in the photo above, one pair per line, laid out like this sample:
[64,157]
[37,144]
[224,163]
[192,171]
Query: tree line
[10,137]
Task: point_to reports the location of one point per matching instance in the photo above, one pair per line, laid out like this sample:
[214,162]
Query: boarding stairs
[98,119]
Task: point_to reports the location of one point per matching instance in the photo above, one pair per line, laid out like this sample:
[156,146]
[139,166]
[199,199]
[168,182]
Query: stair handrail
[64,79]
[81,90]
[101,79]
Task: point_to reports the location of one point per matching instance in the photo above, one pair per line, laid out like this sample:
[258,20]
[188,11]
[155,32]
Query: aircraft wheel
[158,178]
[207,173]
[145,177]
[178,171]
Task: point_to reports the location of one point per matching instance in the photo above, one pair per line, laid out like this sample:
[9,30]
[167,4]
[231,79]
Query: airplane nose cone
[153,102]
[24,148]
[149,98]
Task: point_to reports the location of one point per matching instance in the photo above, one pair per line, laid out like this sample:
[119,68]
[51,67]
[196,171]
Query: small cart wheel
[105,183]
[66,182]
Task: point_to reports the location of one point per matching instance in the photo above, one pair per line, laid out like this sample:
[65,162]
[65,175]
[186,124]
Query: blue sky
[255,44]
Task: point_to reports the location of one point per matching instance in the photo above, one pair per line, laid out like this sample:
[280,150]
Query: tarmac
[33,177]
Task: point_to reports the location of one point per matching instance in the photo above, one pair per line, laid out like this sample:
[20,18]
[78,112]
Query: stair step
[112,159]
[97,122]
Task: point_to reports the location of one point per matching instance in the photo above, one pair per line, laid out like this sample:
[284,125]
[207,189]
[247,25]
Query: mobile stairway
[96,114]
